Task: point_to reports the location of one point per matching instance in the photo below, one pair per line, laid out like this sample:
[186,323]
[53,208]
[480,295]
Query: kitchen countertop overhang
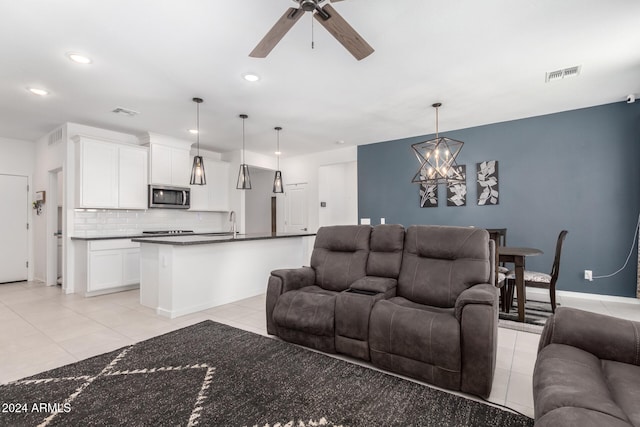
[140,235]
[203,239]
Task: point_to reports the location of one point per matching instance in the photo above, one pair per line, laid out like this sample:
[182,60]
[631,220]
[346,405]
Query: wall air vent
[125,111]
[55,136]
[561,74]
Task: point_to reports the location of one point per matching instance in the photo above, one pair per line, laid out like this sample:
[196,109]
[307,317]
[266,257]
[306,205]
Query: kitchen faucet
[232,220]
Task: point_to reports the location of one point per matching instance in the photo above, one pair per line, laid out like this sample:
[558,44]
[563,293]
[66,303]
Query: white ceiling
[485,60]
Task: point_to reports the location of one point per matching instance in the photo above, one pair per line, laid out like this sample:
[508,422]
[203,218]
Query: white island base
[187,274]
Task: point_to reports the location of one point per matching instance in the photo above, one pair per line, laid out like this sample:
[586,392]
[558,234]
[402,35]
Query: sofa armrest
[479,294]
[380,285]
[282,281]
[477,311]
[605,337]
[295,278]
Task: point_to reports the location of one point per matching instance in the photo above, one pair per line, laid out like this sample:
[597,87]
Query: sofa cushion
[425,334]
[569,416]
[440,262]
[624,383]
[385,257]
[310,310]
[566,376]
[340,255]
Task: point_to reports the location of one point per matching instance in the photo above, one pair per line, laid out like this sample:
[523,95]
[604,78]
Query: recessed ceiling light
[277,153]
[193,131]
[340,142]
[250,77]
[38,91]
[78,58]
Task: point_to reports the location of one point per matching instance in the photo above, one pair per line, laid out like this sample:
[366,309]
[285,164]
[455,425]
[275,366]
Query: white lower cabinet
[112,265]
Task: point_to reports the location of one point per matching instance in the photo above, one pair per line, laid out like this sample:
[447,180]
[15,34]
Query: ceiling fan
[327,16]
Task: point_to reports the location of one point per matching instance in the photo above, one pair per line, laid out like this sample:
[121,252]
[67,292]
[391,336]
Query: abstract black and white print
[457,186]
[429,195]
[488,189]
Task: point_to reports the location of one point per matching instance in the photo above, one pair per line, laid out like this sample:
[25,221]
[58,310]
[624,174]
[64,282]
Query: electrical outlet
[588,275]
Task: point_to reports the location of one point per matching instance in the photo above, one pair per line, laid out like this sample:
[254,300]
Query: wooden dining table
[517,255]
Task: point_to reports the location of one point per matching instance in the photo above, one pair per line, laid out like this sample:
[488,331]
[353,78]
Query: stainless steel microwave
[164,196]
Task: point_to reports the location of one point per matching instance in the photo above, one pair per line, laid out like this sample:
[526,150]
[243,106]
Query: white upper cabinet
[214,196]
[110,175]
[132,183]
[170,162]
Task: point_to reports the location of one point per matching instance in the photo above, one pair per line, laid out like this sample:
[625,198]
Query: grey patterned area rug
[210,374]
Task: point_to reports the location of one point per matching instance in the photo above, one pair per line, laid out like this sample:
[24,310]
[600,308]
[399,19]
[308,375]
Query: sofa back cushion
[439,262]
[385,258]
[340,255]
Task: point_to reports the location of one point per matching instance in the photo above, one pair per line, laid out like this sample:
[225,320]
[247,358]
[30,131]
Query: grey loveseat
[588,371]
[419,302]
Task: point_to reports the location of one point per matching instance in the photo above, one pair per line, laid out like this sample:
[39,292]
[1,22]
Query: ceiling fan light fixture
[308,5]
[327,16]
[198,176]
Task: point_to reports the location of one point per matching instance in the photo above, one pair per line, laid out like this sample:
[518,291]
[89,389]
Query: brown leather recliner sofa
[587,372]
[417,302]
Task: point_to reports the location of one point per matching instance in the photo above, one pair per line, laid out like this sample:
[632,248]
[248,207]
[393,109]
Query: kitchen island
[184,274]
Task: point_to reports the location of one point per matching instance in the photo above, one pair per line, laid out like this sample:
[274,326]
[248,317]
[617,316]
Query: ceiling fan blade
[276,33]
[343,32]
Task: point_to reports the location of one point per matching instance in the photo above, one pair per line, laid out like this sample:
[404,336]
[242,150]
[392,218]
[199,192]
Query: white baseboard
[583,295]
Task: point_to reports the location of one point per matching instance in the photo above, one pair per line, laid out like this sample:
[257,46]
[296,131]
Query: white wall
[258,201]
[237,199]
[338,189]
[17,157]
[306,169]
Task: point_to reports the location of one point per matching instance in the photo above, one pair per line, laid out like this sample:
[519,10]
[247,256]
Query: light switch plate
[365,221]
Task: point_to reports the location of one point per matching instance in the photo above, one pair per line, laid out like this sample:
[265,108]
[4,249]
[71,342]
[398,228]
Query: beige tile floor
[41,328]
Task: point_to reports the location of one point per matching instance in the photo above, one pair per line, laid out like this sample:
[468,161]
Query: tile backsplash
[107,222]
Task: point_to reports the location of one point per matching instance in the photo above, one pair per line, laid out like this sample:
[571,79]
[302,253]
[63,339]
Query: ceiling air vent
[561,74]
[55,136]
[125,111]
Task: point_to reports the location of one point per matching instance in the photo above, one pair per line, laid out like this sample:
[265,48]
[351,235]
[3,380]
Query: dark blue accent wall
[577,170]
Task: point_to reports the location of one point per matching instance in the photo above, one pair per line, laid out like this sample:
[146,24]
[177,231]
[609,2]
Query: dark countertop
[203,239]
[141,236]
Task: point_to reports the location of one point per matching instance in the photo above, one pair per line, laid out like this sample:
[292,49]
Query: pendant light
[437,158]
[244,179]
[277,179]
[197,171]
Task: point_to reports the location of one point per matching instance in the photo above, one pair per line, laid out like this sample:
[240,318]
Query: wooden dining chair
[499,236]
[536,279]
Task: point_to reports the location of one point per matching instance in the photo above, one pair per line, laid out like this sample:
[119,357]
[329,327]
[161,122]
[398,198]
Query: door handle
[304,229]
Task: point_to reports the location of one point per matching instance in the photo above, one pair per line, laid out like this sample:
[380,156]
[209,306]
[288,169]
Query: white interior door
[14,212]
[296,208]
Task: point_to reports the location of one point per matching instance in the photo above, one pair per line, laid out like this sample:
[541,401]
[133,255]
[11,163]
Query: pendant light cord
[243,140]
[198,127]
[278,149]
[312,42]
